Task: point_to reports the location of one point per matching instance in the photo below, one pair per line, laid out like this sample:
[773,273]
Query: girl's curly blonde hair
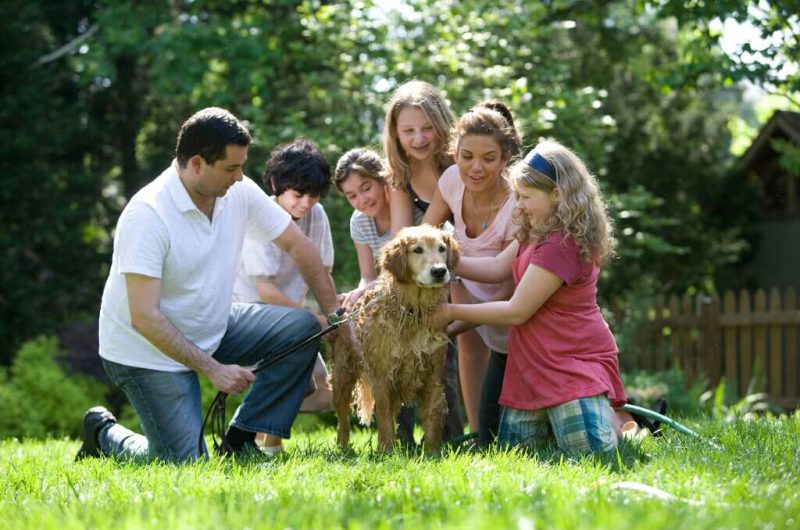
[579,211]
[424,96]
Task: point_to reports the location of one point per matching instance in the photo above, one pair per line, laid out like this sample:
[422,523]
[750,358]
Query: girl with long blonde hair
[415,141]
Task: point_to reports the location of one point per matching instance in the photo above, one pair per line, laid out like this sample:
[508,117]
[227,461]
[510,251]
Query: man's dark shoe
[95,419]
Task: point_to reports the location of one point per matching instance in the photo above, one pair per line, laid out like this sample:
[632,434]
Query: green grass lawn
[750,480]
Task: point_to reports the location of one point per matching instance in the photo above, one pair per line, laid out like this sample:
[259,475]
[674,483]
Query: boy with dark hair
[299,166]
[298,175]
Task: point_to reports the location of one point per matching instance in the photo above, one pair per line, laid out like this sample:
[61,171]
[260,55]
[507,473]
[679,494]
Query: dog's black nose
[438,272]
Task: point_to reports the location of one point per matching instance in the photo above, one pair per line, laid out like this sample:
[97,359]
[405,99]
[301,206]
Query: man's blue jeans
[168,403]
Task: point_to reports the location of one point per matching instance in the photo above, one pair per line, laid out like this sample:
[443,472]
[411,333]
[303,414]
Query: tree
[601,78]
[769,59]
[638,88]
[52,208]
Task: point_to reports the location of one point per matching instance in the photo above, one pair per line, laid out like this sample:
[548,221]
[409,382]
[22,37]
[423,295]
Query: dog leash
[216,411]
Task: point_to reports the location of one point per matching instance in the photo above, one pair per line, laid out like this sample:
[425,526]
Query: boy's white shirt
[268,261]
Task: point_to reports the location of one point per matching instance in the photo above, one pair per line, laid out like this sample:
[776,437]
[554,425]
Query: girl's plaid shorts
[583,425]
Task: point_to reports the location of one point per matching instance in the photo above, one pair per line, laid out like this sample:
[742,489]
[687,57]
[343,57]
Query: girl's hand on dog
[458,327]
[441,317]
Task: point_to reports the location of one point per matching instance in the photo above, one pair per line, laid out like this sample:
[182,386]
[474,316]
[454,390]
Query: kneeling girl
[562,377]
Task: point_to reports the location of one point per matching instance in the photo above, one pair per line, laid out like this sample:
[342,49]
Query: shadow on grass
[628,454]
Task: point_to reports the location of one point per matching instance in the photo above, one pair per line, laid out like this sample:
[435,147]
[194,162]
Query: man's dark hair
[298,166]
[207,133]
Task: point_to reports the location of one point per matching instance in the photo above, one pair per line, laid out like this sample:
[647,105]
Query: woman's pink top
[488,243]
[565,350]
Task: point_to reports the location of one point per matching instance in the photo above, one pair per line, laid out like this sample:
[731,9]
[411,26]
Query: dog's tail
[365,402]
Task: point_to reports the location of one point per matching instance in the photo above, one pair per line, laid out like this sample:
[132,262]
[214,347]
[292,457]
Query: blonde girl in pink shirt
[562,377]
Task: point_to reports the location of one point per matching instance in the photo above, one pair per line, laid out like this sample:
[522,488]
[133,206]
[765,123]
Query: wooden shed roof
[782,124]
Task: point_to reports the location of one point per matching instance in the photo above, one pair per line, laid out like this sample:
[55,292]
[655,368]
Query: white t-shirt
[162,234]
[269,261]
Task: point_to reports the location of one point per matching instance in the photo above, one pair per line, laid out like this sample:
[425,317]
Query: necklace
[492,208]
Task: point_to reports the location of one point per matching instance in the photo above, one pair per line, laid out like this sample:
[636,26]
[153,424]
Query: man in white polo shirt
[166,313]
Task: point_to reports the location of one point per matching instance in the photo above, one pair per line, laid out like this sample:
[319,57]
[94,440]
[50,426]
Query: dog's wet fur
[402,355]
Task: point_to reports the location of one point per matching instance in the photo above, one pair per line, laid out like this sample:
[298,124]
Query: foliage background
[94,92]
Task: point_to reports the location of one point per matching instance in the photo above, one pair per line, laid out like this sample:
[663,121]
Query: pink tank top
[488,243]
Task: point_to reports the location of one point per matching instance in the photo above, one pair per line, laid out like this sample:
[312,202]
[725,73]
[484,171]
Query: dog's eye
[418,250]
[442,248]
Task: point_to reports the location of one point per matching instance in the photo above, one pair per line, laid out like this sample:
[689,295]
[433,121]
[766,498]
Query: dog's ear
[453,252]
[394,257]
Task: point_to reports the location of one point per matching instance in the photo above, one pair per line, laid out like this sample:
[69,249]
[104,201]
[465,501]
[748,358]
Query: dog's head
[421,254]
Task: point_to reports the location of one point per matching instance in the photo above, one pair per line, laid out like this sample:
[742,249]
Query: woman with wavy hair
[474,193]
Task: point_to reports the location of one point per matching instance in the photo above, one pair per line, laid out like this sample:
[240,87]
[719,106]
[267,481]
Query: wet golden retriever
[402,355]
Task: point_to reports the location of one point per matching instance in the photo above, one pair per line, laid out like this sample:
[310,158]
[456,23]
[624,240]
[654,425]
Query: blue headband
[542,165]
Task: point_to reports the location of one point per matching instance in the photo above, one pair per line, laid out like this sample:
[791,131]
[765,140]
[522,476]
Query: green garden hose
[653,415]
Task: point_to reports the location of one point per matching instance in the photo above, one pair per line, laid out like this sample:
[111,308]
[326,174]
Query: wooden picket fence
[750,340]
